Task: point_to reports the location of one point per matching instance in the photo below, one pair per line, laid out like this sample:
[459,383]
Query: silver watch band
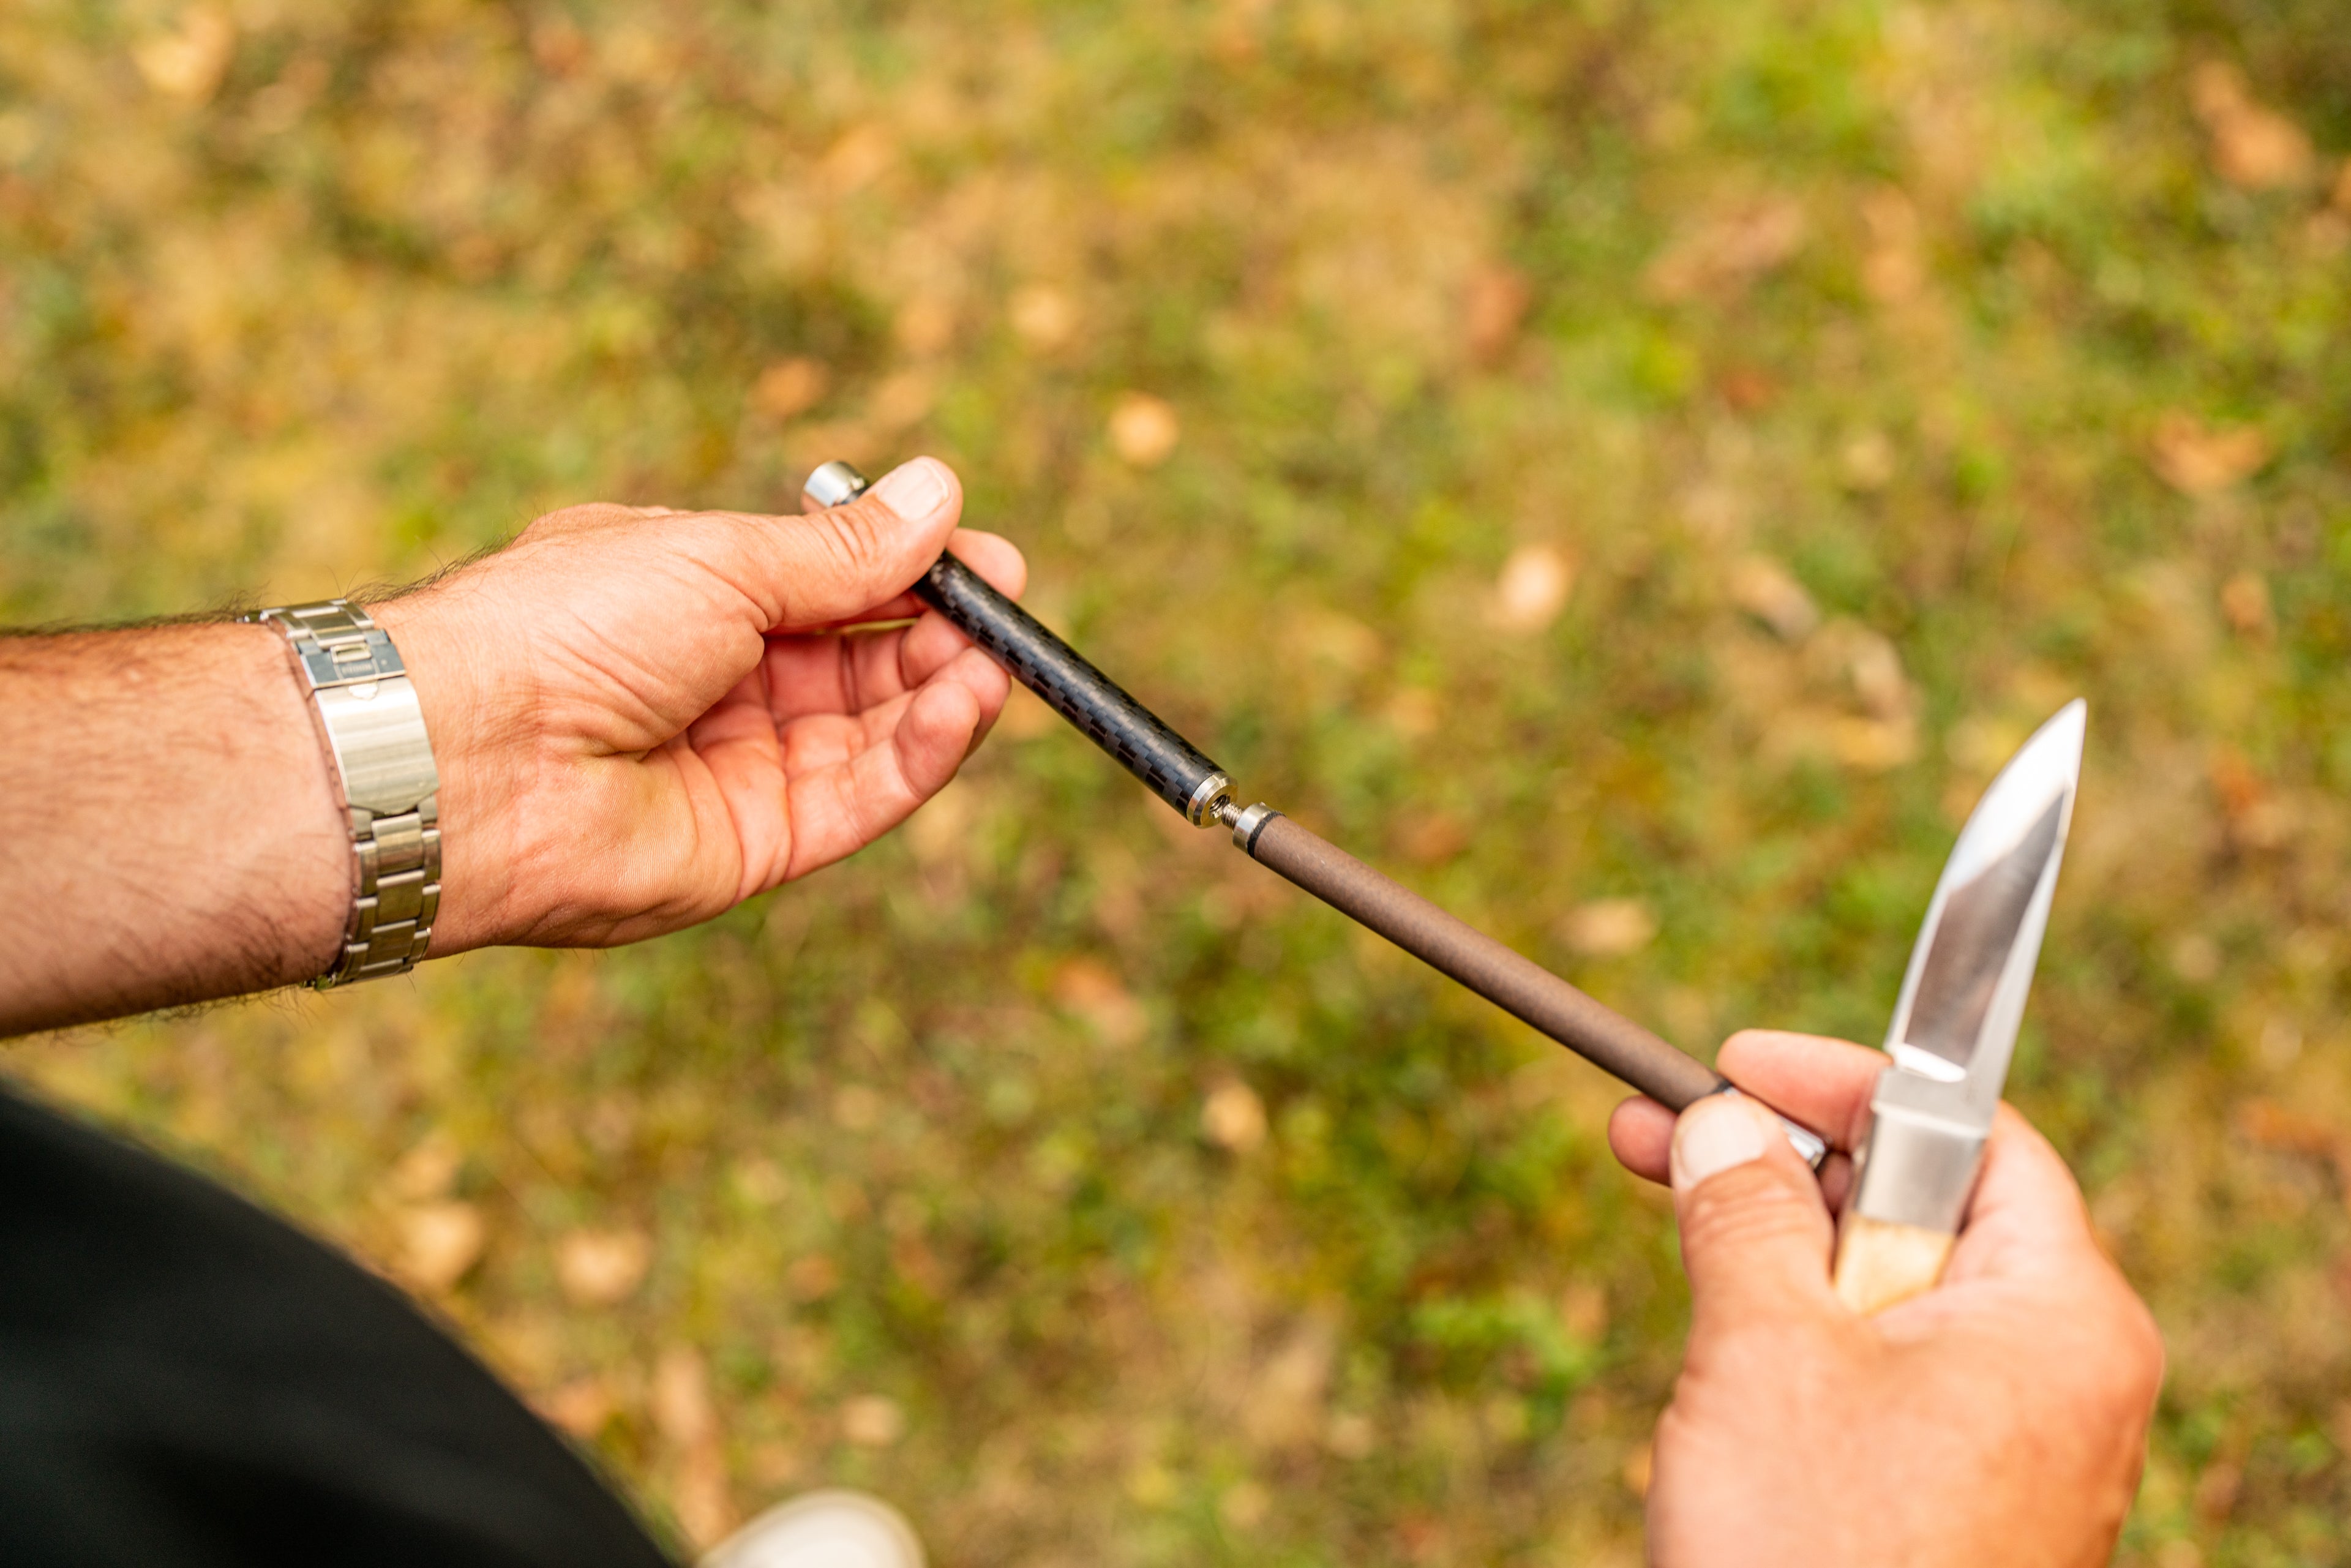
[375,729]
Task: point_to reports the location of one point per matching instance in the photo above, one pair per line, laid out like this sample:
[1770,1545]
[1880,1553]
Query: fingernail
[913,490]
[1713,1136]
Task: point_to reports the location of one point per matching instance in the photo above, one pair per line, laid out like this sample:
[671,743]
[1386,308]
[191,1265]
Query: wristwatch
[368,711]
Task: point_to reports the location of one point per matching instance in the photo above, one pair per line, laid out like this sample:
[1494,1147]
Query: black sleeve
[186,1380]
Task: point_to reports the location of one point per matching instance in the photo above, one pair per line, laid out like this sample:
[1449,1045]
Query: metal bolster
[1915,1168]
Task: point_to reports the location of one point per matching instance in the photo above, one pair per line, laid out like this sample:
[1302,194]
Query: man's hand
[2000,1418]
[640,719]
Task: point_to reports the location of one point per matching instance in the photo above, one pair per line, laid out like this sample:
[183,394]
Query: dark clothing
[186,1381]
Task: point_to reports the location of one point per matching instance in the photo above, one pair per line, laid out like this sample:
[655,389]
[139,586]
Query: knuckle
[2114,1356]
[859,535]
[847,542]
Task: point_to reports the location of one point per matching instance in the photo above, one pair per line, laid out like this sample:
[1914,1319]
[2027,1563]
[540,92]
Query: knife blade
[1955,1024]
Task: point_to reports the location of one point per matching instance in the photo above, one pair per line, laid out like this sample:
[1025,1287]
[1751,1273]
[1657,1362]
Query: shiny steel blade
[1963,997]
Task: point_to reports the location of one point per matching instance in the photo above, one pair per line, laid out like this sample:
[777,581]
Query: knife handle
[1880,1262]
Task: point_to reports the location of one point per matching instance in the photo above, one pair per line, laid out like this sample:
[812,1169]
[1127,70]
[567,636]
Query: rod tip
[832,485]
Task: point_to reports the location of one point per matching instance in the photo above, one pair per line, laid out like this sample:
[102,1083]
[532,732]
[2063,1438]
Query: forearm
[636,722]
[174,832]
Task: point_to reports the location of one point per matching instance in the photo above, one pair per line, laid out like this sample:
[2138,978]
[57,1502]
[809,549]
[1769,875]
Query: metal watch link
[367,710]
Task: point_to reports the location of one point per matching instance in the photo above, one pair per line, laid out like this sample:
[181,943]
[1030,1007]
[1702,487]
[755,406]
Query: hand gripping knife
[1955,1025]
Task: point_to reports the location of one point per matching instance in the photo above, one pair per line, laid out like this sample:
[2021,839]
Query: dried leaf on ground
[1093,990]
[790,387]
[189,62]
[902,399]
[1638,1468]
[580,1406]
[812,1277]
[872,1421]
[1432,838]
[1143,430]
[439,1243]
[2245,603]
[1533,588]
[1768,591]
[1283,1408]
[1244,1505]
[1893,266]
[687,1420]
[1494,305]
[2198,459]
[1043,317]
[1233,1117]
[681,1396]
[428,1171]
[1719,256]
[2252,146]
[600,1267]
[1608,927]
[1868,460]
[1351,1436]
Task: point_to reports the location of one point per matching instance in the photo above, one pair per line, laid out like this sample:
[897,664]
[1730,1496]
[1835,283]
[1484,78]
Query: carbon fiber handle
[1172,765]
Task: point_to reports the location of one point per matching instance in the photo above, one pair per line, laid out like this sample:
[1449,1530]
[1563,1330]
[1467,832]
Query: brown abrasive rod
[1512,981]
[1184,777]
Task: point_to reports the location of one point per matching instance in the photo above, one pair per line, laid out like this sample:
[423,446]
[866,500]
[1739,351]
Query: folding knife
[1955,1025]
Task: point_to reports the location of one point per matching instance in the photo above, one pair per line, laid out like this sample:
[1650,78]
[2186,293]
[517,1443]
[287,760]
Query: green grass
[1891,303]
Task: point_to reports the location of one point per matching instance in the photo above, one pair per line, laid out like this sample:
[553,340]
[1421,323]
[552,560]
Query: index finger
[810,673]
[1820,1082]
[1824,1083]
[997,559]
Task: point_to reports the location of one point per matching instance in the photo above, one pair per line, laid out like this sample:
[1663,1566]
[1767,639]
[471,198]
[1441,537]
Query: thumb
[851,559]
[1756,1235]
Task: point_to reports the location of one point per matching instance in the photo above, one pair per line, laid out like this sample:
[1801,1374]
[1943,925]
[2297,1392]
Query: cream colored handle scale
[1880,1262]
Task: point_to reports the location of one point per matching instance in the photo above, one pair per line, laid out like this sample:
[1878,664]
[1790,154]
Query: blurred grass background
[1631,469]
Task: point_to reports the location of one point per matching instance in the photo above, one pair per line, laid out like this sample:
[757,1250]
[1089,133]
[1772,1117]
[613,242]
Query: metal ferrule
[1918,1167]
[1809,1145]
[1247,824]
[1216,791]
[834,484]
